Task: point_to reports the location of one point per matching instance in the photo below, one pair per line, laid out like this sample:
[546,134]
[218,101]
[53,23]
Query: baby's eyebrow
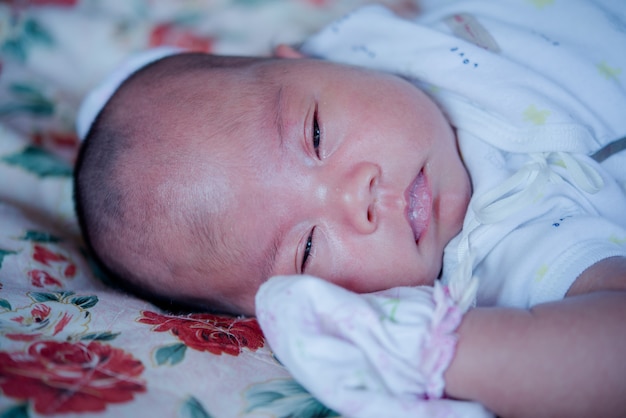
[278,114]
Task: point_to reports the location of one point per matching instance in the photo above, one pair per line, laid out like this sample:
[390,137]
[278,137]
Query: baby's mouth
[419,203]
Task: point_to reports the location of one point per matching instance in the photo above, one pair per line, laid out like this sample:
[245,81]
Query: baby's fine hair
[118,224]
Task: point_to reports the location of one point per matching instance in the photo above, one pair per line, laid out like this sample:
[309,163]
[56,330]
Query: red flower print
[56,139]
[318,3]
[40,278]
[216,334]
[40,314]
[62,144]
[48,258]
[41,320]
[169,34]
[70,270]
[45,256]
[62,377]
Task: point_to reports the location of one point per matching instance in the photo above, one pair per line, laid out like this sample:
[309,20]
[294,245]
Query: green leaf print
[285,398]
[85,302]
[27,99]
[5,304]
[39,162]
[192,408]
[45,297]
[39,236]
[24,37]
[4,253]
[17,411]
[40,109]
[50,296]
[37,33]
[14,48]
[100,336]
[27,91]
[170,354]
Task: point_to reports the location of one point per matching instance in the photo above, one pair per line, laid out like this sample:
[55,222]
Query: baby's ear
[287,51]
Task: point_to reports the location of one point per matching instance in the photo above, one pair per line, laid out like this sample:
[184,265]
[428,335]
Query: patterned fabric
[68,342]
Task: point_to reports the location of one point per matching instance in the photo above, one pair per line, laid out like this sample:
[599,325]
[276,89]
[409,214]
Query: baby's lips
[419,204]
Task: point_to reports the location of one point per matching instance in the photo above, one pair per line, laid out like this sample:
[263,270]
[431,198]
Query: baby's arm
[564,358]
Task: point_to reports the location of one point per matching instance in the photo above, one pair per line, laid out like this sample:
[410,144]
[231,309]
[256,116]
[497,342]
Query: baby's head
[205,175]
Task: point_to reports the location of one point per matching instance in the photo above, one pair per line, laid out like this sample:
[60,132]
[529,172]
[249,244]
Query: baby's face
[350,175]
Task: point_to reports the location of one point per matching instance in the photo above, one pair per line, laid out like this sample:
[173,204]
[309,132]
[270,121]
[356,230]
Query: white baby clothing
[533,89]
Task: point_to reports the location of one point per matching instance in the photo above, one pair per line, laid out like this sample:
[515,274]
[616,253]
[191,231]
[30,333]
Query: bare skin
[559,359]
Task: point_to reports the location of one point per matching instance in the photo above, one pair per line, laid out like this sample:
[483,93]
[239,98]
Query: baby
[202,176]
[222,172]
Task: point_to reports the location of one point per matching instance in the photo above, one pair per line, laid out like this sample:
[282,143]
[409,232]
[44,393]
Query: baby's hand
[370,355]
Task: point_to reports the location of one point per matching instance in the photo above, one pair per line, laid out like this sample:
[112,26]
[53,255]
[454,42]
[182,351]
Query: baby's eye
[308,246]
[317,136]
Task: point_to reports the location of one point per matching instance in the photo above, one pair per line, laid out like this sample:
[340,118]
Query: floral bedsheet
[70,344]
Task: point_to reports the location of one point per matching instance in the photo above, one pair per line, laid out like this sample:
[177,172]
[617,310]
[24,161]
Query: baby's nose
[357,196]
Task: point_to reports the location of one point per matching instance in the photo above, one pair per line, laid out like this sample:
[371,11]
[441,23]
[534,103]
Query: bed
[71,344]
